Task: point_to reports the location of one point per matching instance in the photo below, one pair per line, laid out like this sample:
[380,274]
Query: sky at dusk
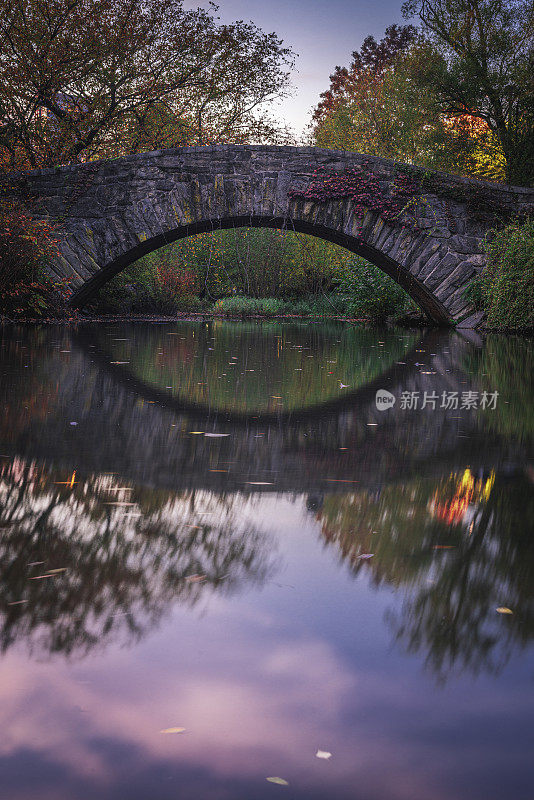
[323,34]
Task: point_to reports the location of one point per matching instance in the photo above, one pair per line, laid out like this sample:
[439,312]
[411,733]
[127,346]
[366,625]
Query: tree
[482,64]
[81,79]
[367,68]
[376,107]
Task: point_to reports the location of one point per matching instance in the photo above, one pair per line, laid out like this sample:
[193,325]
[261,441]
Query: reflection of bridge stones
[112,212]
[137,431]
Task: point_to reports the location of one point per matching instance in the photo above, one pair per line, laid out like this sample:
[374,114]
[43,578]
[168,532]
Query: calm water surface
[211,526]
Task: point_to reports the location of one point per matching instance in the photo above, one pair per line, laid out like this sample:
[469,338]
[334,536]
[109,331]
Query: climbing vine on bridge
[366,192]
[393,201]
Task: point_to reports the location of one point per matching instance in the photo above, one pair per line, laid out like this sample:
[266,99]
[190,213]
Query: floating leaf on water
[196,433]
[173,730]
[366,556]
[323,754]
[216,435]
[279,781]
[195,578]
[56,571]
[504,610]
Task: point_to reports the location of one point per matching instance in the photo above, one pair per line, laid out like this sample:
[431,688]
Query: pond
[249,560]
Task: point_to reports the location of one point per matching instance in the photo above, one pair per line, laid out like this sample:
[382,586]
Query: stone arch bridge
[425,230]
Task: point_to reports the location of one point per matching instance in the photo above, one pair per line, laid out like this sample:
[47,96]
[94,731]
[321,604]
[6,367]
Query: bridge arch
[109,213]
[414,287]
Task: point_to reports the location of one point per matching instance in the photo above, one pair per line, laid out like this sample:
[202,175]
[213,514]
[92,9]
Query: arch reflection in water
[250,368]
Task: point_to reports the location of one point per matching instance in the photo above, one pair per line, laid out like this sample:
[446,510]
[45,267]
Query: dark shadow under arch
[414,287]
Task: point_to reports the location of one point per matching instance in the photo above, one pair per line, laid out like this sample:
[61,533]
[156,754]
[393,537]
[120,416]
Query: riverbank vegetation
[455,93]
[505,289]
[254,271]
[26,288]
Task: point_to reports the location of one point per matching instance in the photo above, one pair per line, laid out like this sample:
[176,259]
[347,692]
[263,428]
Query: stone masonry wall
[109,213]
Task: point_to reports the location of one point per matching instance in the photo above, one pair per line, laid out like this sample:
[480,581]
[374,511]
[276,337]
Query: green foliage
[372,293]
[387,114]
[507,283]
[480,63]
[249,306]
[474,294]
[189,304]
[255,262]
[254,271]
[382,105]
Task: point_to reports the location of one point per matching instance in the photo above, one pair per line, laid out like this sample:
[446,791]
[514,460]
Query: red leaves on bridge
[365,191]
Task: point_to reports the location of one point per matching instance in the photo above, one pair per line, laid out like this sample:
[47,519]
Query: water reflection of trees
[115,556]
[506,365]
[241,367]
[456,551]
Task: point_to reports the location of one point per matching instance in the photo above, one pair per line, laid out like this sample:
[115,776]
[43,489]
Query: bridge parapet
[109,213]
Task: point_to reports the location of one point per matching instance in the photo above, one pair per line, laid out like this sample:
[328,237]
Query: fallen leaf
[504,610]
[279,781]
[173,730]
[323,754]
[195,578]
